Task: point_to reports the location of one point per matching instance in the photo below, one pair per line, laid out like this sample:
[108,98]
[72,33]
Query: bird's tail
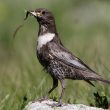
[103,80]
[97,77]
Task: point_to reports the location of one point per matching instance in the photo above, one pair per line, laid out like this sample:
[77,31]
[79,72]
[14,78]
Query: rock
[44,105]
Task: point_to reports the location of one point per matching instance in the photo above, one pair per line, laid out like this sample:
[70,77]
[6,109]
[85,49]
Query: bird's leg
[62,93]
[55,84]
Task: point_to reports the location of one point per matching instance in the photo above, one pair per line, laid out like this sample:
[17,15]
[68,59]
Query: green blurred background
[84,28]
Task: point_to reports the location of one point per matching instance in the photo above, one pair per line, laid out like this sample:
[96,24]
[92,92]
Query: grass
[84,29]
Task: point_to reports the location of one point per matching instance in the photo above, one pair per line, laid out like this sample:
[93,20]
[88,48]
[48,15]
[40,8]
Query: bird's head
[45,19]
[43,16]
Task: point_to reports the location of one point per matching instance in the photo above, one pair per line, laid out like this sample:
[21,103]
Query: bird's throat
[46,28]
[46,34]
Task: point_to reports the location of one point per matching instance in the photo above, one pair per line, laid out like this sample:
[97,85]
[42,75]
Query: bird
[57,60]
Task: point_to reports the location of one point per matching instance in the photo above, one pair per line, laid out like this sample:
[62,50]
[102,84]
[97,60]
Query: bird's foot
[59,104]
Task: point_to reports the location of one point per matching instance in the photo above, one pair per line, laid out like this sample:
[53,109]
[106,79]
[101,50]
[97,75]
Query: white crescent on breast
[44,39]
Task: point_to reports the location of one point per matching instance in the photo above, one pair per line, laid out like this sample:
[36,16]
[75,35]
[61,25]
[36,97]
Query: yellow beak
[35,13]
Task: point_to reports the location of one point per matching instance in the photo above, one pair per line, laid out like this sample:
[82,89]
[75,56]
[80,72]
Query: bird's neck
[47,28]
[47,34]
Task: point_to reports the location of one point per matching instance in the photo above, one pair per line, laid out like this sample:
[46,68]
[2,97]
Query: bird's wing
[62,54]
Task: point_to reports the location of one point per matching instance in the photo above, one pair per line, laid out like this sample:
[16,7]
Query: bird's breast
[44,39]
[44,55]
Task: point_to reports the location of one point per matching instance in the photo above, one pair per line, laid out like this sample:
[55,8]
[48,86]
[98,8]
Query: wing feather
[83,71]
[62,54]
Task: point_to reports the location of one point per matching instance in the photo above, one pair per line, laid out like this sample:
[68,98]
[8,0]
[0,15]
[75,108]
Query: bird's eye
[43,12]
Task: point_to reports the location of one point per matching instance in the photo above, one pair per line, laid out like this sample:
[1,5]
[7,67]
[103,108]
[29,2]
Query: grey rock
[44,105]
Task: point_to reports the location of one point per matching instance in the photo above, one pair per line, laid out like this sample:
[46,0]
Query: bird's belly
[43,61]
[43,56]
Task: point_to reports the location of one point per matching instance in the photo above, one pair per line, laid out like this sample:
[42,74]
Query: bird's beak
[32,13]
[36,14]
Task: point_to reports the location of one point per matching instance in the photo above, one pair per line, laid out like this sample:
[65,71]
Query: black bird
[58,61]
